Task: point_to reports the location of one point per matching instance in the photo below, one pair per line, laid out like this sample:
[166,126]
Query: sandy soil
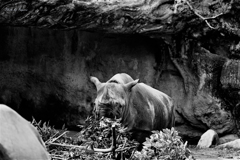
[215,154]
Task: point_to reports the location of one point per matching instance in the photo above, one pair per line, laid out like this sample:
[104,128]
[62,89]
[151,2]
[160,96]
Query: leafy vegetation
[106,139]
[165,145]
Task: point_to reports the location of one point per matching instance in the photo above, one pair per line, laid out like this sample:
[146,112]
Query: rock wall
[45,74]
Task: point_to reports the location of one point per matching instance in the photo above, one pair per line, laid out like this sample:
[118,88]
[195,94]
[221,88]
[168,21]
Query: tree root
[181,71]
[204,18]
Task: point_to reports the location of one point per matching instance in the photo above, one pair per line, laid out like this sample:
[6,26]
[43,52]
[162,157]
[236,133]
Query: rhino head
[112,97]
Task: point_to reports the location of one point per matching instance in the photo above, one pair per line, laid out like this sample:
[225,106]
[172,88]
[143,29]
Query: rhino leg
[140,136]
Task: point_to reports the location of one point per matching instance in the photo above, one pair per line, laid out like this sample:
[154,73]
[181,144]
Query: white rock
[228,138]
[207,139]
[19,140]
[233,144]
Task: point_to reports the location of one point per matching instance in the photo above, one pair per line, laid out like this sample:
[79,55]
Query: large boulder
[230,81]
[230,78]
[212,114]
[19,140]
[203,112]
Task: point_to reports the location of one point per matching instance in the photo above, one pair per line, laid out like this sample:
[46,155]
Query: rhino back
[153,109]
[122,78]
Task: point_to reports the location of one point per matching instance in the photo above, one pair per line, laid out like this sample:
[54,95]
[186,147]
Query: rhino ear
[129,85]
[95,81]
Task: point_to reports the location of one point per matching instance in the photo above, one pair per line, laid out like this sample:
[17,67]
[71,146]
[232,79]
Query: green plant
[44,129]
[165,145]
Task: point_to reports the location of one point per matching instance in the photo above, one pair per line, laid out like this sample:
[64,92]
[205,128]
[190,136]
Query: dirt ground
[215,154]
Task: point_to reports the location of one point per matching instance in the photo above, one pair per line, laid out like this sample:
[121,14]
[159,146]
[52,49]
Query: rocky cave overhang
[147,17]
[201,37]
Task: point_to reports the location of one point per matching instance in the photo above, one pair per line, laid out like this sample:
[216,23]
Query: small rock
[233,144]
[207,139]
[228,138]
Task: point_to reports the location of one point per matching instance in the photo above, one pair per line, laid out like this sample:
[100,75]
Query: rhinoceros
[141,108]
[19,140]
[122,78]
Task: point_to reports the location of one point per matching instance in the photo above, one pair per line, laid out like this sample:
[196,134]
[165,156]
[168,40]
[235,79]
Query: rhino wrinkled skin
[140,107]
